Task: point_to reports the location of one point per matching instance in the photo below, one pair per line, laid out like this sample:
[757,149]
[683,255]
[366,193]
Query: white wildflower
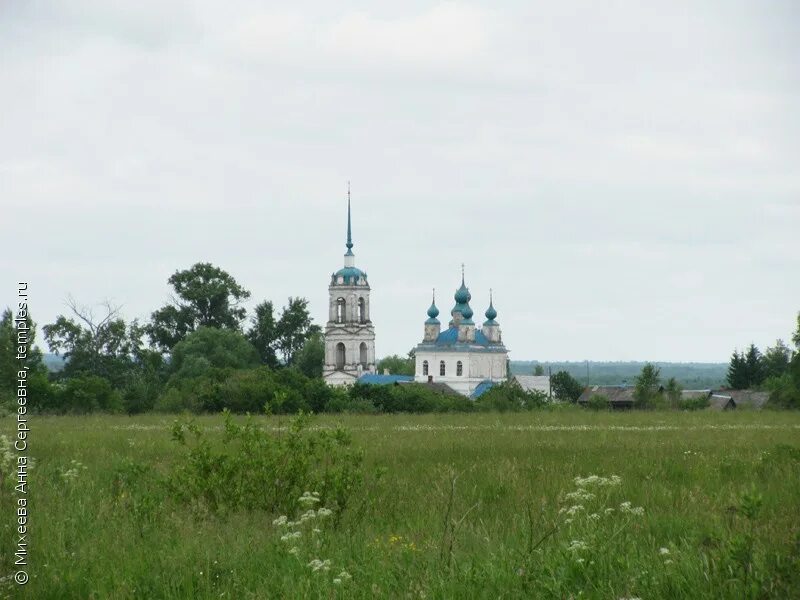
[574,509]
[577,546]
[294,550]
[324,512]
[280,521]
[345,575]
[663,551]
[308,498]
[594,516]
[608,511]
[337,581]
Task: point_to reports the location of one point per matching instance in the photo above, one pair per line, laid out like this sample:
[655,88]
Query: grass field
[469,506]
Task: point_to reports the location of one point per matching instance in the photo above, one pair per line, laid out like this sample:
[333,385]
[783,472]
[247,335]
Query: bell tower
[349,333]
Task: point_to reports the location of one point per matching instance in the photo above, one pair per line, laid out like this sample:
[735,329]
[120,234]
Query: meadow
[543,504]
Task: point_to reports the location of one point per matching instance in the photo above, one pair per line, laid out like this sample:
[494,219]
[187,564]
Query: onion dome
[433,312]
[490,313]
[467,312]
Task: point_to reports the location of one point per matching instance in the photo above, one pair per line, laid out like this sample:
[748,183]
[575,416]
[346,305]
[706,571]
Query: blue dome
[491,313]
[462,295]
[349,274]
[467,312]
[433,312]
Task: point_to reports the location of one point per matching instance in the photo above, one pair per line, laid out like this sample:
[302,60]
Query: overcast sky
[625,177]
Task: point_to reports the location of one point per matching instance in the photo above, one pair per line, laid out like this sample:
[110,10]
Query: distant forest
[688,375]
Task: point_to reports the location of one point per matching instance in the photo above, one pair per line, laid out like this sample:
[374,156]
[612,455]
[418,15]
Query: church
[466,358]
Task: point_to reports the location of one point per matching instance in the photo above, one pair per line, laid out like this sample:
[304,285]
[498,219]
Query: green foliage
[396,365]
[509,396]
[673,392]
[103,346]
[405,398]
[646,392]
[88,393]
[287,336]
[777,359]
[697,403]
[565,387]
[294,328]
[538,370]
[256,469]
[263,333]
[747,370]
[311,358]
[39,391]
[598,402]
[204,296]
[783,392]
[209,347]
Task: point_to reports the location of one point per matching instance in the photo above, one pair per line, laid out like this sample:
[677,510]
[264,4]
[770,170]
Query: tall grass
[453,506]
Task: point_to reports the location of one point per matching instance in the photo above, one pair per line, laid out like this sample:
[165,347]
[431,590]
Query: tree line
[776,370]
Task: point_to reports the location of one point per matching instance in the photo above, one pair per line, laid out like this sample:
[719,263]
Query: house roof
[483,387]
[616,394]
[748,398]
[720,402]
[448,340]
[540,383]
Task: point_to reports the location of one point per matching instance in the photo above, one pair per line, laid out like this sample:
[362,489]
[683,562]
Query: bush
[256,469]
[598,402]
[509,396]
[698,403]
[89,393]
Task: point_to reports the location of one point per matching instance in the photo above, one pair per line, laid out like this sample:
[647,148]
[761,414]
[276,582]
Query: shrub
[697,403]
[257,469]
[509,396]
[598,402]
[89,393]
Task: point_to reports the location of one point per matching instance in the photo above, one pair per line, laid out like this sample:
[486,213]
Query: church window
[362,311]
[340,356]
[424,367]
[340,310]
[441,368]
[362,355]
[459,369]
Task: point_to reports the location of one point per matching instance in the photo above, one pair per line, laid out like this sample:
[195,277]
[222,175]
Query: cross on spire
[349,243]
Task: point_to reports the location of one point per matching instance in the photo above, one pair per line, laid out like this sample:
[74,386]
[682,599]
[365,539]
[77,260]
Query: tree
[311,357]
[565,387]
[754,364]
[205,296]
[673,391]
[538,370]
[263,333]
[646,386]
[209,347]
[12,332]
[100,345]
[776,359]
[737,378]
[294,327]
[397,365]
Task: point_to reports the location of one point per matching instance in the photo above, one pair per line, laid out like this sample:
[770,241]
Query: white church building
[462,356]
[349,334]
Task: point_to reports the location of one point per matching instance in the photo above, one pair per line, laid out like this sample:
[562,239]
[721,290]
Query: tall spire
[349,243]
[462,274]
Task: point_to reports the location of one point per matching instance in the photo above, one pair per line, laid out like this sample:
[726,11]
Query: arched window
[362,355]
[362,311]
[424,367]
[340,356]
[459,369]
[340,306]
[441,368]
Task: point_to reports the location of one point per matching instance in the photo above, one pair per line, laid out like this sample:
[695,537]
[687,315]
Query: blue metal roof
[449,337]
[377,379]
[350,274]
[482,388]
